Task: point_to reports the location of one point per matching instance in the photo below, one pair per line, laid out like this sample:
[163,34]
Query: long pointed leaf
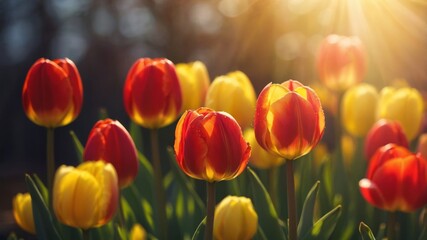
[306,220]
[45,226]
[78,146]
[325,226]
[365,232]
[267,215]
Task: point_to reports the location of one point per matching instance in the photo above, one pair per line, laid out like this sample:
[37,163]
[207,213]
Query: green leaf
[42,188]
[198,234]
[325,226]
[267,215]
[135,132]
[365,232]
[307,215]
[78,146]
[45,226]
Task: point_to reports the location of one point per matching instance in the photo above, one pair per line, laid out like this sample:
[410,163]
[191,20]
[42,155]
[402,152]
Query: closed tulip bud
[235,219]
[137,232]
[194,80]
[260,158]
[152,94]
[233,93]
[23,212]
[109,141]
[52,94]
[358,109]
[86,196]
[404,105]
[289,120]
[341,62]
[396,180]
[209,145]
[422,145]
[382,133]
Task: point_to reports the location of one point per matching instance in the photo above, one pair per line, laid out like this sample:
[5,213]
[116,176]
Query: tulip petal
[371,193]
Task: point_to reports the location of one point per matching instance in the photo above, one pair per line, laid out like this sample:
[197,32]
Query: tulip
[289,119]
[110,141]
[86,196]
[235,219]
[341,62]
[209,145]
[396,180]
[194,80]
[52,94]
[23,212]
[358,109]
[233,93]
[422,145]
[137,232]
[404,105]
[152,93]
[260,158]
[382,133]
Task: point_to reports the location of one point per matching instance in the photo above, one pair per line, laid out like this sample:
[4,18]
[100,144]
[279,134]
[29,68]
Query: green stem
[50,152]
[86,234]
[391,226]
[272,185]
[210,210]
[292,206]
[159,189]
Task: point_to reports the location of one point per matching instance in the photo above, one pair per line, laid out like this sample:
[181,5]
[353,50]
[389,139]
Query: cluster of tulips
[116,193]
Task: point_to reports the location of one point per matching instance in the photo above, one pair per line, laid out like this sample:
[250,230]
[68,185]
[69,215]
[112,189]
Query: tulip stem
[292,206]
[50,152]
[159,189]
[391,226]
[210,210]
[86,234]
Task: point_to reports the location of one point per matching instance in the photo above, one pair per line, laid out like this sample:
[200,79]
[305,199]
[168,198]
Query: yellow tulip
[194,80]
[86,196]
[235,219]
[138,232]
[23,212]
[233,93]
[358,109]
[260,158]
[404,105]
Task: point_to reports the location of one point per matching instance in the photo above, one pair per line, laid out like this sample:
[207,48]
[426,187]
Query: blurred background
[269,40]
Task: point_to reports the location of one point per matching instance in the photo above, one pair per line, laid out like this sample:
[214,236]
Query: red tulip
[382,133]
[152,93]
[209,145]
[52,95]
[396,180]
[289,120]
[110,141]
[341,62]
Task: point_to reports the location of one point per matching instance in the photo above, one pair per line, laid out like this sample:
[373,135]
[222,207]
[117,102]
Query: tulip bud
[341,62]
[23,212]
[358,109]
[137,232]
[194,80]
[233,93]
[235,219]
[86,196]
[404,105]
[289,120]
[109,141]
[260,158]
[152,93]
[382,133]
[209,145]
[396,180]
[52,94]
